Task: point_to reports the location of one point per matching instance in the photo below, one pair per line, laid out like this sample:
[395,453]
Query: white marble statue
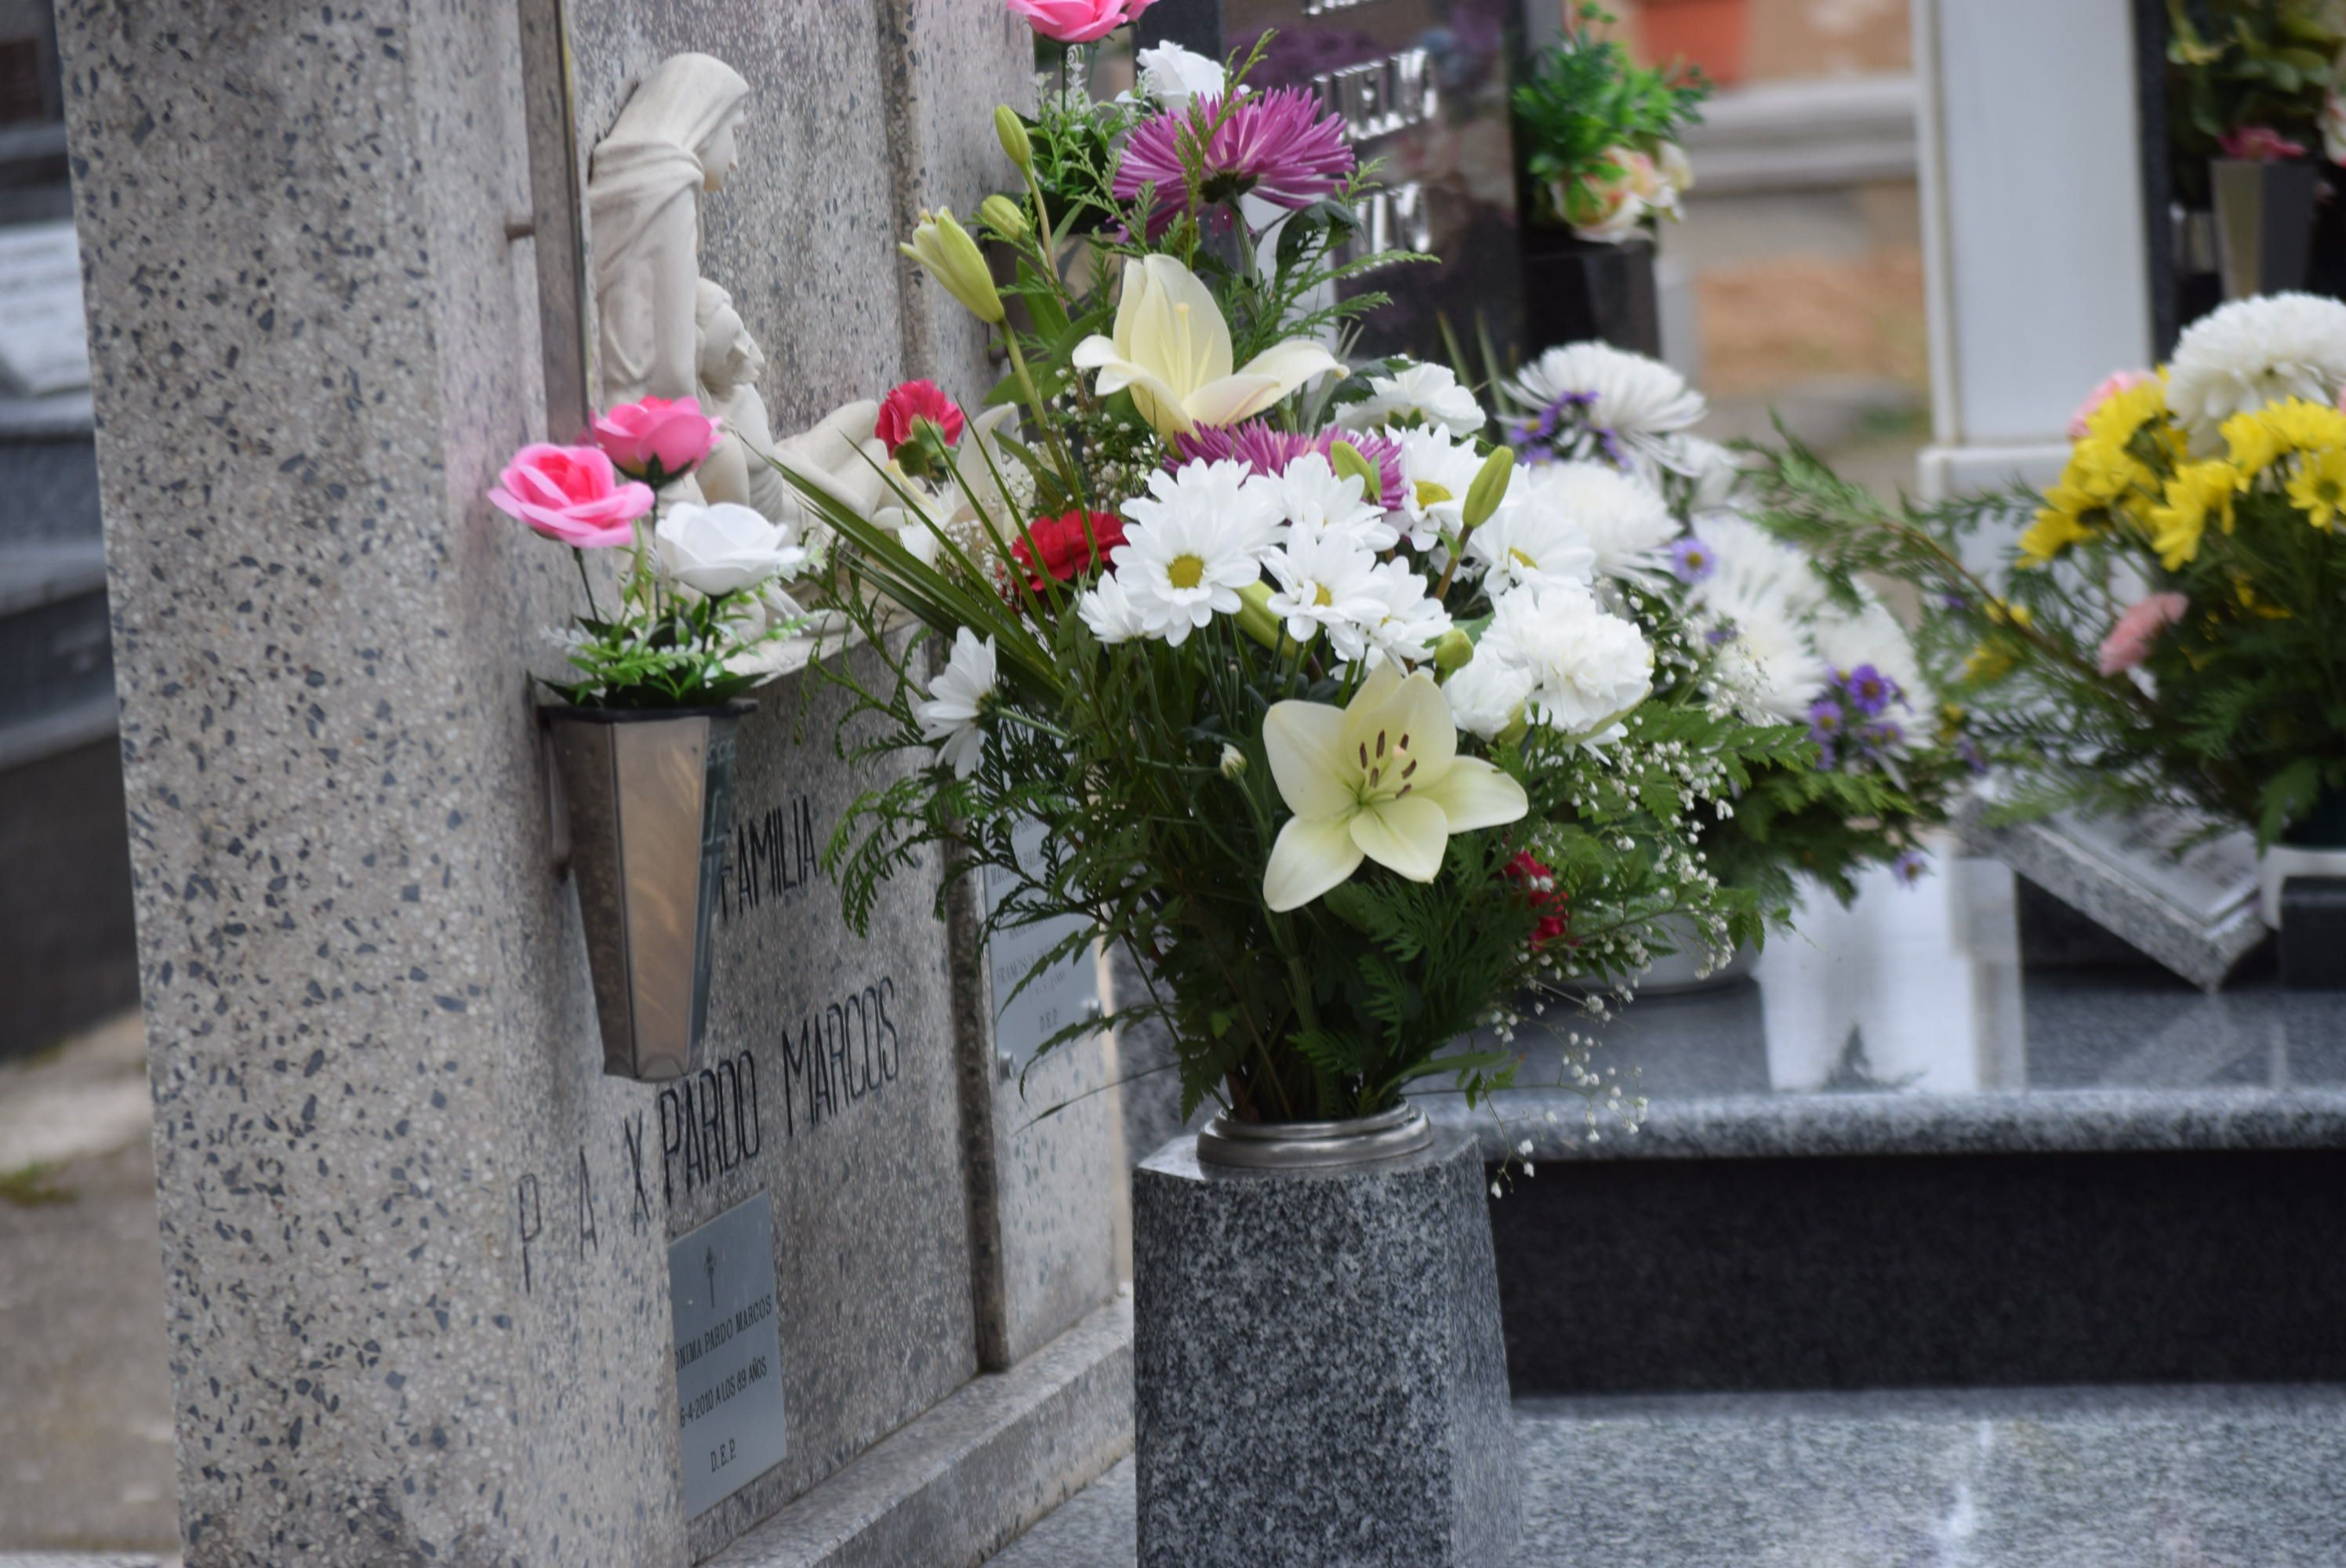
[731,366]
[674,140]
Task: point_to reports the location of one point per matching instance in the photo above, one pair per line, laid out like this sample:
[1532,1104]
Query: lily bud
[1490,487]
[1259,621]
[946,252]
[1011,131]
[1004,217]
[1453,650]
[1349,464]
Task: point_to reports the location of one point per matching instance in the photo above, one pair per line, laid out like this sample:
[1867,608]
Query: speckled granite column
[1317,1367]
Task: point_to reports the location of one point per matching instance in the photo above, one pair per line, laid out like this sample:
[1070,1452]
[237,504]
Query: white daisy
[1487,695]
[1529,541]
[1627,524]
[1408,620]
[1634,398]
[1108,610]
[1326,580]
[949,714]
[2251,352]
[1198,537]
[1317,501]
[1425,395]
[1588,668]
[1435,470]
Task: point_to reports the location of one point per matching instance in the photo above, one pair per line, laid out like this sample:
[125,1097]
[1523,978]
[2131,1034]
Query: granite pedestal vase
[1319,1376]
[647,810]
[1577,289]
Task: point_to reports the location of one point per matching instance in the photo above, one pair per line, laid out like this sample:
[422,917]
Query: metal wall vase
[649,803]
[2264,224]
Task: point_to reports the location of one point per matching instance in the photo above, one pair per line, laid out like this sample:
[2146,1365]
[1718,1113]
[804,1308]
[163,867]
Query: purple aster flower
[1275,145]
[1970,754]
[1268,451]
[1691,560]
[1881,736]
[1909,867]
[1869,691]
[1825,721]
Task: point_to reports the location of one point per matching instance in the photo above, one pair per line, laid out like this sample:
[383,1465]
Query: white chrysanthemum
[948,716]
[1713,476]
[1587,666]
[1109,611]
[1325,580]
[1317,501]
[1529,542]
[1408,620]
[1873,636]
[1751,564]
[2251,352]
[1630,395]
[1435,470]
[1627,523]
[1487,695]
[1428,394]
[1198,537]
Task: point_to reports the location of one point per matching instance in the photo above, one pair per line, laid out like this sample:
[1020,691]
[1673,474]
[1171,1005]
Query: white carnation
[1587,666]
[1487,695]
[2252,353]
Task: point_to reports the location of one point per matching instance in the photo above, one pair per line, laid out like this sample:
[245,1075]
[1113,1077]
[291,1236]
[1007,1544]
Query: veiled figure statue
[731,366]
[674,140]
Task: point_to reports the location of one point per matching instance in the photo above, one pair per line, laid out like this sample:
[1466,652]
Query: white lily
[1171,349]
[1380,779]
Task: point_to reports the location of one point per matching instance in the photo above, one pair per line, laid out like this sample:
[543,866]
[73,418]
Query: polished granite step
[2241,1477]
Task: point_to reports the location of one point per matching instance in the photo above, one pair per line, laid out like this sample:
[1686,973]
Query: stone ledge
[951,1488]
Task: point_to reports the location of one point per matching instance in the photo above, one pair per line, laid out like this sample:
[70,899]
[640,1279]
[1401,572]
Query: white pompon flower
[1196,538]
[1627,523]
[1588,668]
[1174,75]
[2251,352]
[949,716]
[1630,396]
[1318,501]
[1428,394]
[1379,779]
[1109,612]
[1486,698]
[1326,580]
[1435,470]
[1527,542]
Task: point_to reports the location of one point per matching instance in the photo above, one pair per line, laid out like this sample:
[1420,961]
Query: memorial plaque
[728,1361]
[1067,991]
[1423,87]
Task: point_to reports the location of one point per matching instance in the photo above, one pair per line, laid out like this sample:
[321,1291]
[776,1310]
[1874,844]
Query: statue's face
[721,156]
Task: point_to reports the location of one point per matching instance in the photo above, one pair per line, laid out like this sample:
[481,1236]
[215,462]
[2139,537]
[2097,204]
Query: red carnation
[1065,549]
[1541,894]
[911,401]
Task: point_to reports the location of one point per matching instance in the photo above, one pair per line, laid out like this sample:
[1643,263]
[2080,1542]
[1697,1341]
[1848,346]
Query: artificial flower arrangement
[694,598]
[1601,134]
[2165,634]
[2256,80]
[1791,639]
[1324,706]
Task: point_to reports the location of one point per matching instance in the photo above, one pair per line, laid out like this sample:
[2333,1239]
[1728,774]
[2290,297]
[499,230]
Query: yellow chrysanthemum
[2306,426]
[2197,490]
[2123,413]
[2318,487]
[2004,613]
[1987,664]
[2053,531]
[2255,603]
[2250,441]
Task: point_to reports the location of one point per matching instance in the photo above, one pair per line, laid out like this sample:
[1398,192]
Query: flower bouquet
[2164,634]
[1788,637]
[1601,134]
[650,687]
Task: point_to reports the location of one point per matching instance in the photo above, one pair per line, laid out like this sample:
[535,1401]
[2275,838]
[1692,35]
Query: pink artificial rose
[916,400]
[2111,385]
[2258,144]
[1078,21]
[573,495]
[656,438]
[2129,641]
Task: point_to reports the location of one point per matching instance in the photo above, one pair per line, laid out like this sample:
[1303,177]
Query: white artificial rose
[1174,75]
[722,549]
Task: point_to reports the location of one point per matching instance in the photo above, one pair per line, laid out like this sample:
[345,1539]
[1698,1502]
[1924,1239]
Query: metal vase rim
[1314,1146]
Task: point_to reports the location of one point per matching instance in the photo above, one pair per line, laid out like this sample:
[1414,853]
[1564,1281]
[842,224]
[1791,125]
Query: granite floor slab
[2210,1477]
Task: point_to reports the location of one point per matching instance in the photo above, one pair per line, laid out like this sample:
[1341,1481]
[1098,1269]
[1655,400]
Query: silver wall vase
[648,800]
[2264,223]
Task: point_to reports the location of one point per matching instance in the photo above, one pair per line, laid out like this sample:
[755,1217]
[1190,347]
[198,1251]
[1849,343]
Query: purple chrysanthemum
[1909,867]
[1691,560]
[1268,451]
[1275,145]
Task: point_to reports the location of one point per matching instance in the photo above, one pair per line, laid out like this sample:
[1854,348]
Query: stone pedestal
[1317,1373]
